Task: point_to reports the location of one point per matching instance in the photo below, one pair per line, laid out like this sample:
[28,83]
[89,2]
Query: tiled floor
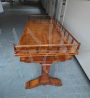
[13,74]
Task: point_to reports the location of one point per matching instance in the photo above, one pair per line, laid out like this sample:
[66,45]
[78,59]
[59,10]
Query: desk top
[40,32]
[45,37]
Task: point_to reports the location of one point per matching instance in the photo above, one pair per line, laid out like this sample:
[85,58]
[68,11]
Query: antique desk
[45,41]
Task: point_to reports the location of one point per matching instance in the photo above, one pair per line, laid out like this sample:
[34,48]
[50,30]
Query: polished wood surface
[45,41]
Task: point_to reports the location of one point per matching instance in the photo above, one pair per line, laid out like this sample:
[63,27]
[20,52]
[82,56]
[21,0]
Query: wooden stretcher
[45,41]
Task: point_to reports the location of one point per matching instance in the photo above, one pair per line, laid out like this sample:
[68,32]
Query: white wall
[1,8]
[59,7]
[77,20]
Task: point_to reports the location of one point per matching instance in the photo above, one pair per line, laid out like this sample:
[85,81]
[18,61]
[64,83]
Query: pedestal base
[43,80]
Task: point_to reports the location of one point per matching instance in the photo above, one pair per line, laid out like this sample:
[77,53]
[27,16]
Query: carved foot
[55,81]
[32,83]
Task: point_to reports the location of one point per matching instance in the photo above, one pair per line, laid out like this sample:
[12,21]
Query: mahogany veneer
[45,41]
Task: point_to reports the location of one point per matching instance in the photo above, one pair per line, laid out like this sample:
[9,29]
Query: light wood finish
[45,41]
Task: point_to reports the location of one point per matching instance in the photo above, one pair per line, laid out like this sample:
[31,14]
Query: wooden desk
[45,41]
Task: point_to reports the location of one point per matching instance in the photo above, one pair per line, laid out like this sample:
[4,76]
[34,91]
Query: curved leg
[32,83]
